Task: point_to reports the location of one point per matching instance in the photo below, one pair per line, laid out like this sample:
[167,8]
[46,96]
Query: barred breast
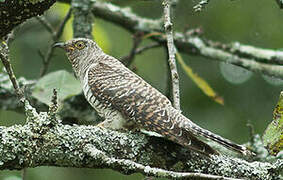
[113,118]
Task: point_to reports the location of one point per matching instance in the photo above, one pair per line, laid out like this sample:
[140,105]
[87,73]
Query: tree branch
[83,18]
[13,13]
[249,57]
[168,26]
[4,56]
[254,59]
[42,142]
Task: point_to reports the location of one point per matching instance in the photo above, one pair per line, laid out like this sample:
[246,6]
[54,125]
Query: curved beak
[60,45]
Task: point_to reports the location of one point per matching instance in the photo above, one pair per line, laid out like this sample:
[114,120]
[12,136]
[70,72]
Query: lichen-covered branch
[13,13]
[131,165]
[168,26]
[4,56]
[83,20]
[43,141]
[252,58]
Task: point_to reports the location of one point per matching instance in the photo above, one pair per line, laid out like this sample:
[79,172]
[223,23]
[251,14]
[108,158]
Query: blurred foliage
[64,82]
[254,22]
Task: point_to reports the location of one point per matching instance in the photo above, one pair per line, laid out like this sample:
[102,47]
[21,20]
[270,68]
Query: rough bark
[13,13]
[44,141]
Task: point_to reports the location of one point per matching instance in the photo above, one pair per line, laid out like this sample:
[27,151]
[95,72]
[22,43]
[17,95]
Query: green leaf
[64,82]
[273,135]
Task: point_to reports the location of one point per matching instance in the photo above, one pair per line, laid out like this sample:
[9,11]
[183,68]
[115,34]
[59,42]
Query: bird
[127,102]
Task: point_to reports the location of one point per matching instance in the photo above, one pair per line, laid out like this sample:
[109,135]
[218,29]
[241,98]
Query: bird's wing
[115,85]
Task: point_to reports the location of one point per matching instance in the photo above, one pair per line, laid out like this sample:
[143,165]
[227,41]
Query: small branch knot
[168,26]
[53,108]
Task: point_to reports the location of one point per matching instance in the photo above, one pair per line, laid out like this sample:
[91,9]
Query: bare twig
[127,60]
[62,25]
[171,52]
[46,24]
[55,36]
[144,48]
[141,50]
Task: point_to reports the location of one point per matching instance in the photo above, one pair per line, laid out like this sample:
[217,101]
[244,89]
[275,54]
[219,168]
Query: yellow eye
[80,45]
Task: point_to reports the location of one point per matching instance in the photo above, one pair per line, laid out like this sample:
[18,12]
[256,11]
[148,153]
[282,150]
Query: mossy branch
[43,141]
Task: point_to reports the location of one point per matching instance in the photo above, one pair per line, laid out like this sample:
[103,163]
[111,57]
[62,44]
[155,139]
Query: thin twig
[168,88]
[46,24]
[55,36]
[144,48]
[46,61]
[62,25]
[137,51]
[200,6]
[127,60]
[4,55]
[171,52]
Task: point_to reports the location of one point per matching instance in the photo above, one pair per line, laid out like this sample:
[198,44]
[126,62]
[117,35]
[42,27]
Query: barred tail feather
[196,130]
[196,144]
[186,139]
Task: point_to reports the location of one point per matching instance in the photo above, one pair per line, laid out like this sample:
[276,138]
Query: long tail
[198,131]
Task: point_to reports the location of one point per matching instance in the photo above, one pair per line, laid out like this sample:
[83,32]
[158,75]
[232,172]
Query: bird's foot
[101,125]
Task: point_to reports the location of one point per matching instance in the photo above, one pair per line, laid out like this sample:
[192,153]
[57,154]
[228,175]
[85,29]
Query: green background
[253,22]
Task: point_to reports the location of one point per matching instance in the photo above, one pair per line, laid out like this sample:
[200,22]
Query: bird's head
[80,51]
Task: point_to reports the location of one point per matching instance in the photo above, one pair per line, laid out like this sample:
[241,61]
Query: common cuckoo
[126,101]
